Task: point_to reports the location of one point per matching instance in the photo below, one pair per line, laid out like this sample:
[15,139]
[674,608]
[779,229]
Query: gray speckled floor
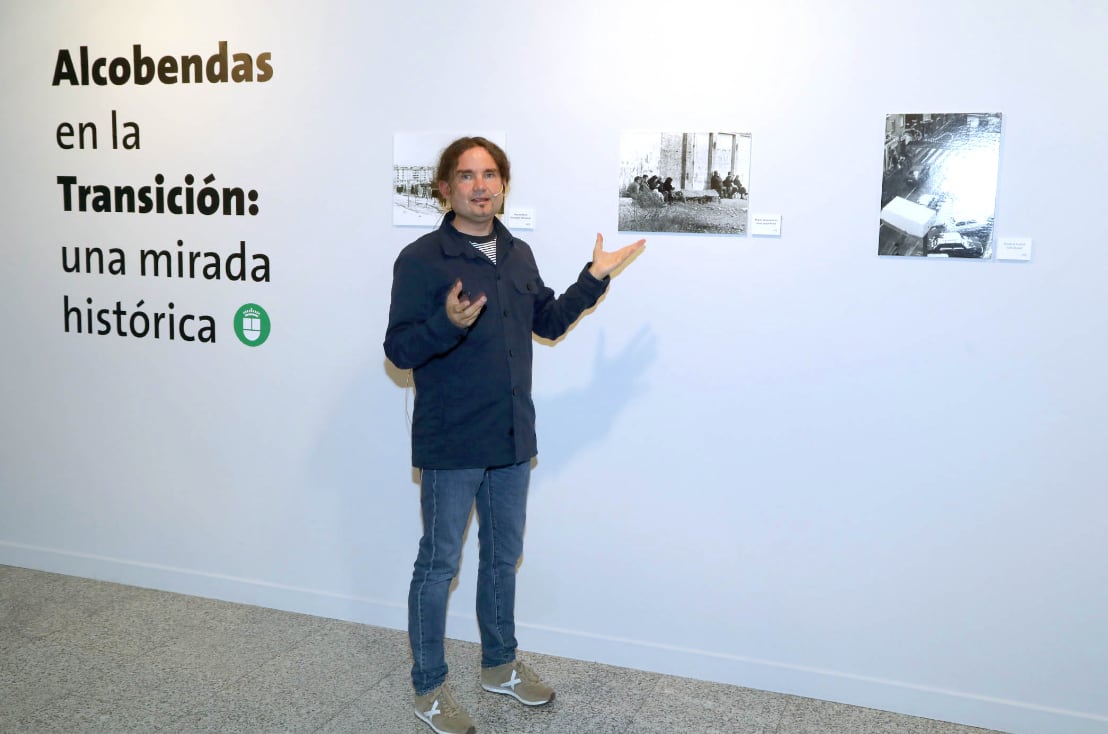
[86,656]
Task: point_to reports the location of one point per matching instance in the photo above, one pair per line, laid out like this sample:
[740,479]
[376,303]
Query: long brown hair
[448,161]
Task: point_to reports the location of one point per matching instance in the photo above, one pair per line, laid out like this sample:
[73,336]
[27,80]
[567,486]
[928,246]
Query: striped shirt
[488,248]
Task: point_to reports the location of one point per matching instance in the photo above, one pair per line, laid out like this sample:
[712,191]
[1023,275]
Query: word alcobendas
[220,67]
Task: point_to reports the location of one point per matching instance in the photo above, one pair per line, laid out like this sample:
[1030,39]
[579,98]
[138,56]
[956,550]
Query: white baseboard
[902,697]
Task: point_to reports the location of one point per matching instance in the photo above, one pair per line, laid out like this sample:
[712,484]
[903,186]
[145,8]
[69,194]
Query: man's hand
[460,309]
[603,263]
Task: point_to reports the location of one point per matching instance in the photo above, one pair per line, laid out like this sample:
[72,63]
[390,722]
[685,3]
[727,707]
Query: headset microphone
[499,193]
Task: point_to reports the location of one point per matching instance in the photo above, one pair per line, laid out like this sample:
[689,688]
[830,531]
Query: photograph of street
[415,201]
[938,192]
[684,182]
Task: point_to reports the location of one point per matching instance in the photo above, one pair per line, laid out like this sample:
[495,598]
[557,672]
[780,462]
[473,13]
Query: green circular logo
[252,325]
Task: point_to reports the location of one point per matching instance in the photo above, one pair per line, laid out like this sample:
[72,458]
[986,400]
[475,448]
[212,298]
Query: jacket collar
[456,244]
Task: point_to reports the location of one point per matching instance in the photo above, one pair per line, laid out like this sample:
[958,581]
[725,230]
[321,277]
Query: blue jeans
[446,497]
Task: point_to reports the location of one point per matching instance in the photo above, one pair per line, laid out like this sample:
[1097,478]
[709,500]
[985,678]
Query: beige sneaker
[516,679]
[441,712]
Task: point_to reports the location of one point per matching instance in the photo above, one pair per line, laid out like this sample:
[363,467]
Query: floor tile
[343,662]
[304,687]
[679,704]
[78,713]
[47,669]
[811,716]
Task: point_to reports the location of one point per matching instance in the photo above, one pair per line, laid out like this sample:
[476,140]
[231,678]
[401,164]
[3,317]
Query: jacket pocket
[527,286]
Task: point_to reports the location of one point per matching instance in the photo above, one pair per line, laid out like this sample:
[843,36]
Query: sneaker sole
[516,696]
[470,730]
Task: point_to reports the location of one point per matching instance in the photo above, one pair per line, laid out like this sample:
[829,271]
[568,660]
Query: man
[466,299]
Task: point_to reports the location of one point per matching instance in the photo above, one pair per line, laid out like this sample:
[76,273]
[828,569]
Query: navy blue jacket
[473,406]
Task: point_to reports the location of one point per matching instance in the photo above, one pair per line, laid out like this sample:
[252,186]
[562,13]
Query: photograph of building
[684,182]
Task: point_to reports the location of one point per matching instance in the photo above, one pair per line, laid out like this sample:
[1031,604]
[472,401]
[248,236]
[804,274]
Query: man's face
[475,191]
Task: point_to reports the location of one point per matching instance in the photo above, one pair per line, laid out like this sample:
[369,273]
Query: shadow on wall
[571,422]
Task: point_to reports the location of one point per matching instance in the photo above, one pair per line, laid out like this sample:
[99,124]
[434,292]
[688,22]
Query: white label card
[521,218]
[765,225]
[1013,249]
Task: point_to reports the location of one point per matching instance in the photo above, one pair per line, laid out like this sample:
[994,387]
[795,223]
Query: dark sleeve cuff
[593,285]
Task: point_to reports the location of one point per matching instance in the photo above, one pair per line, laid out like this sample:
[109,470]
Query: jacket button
[506,313]
[511,352]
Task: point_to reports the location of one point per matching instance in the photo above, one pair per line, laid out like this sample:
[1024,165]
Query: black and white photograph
[684,182]
[938,191]
[415,197]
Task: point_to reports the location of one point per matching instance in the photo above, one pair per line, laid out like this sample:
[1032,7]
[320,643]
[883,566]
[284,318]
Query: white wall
[782,463]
